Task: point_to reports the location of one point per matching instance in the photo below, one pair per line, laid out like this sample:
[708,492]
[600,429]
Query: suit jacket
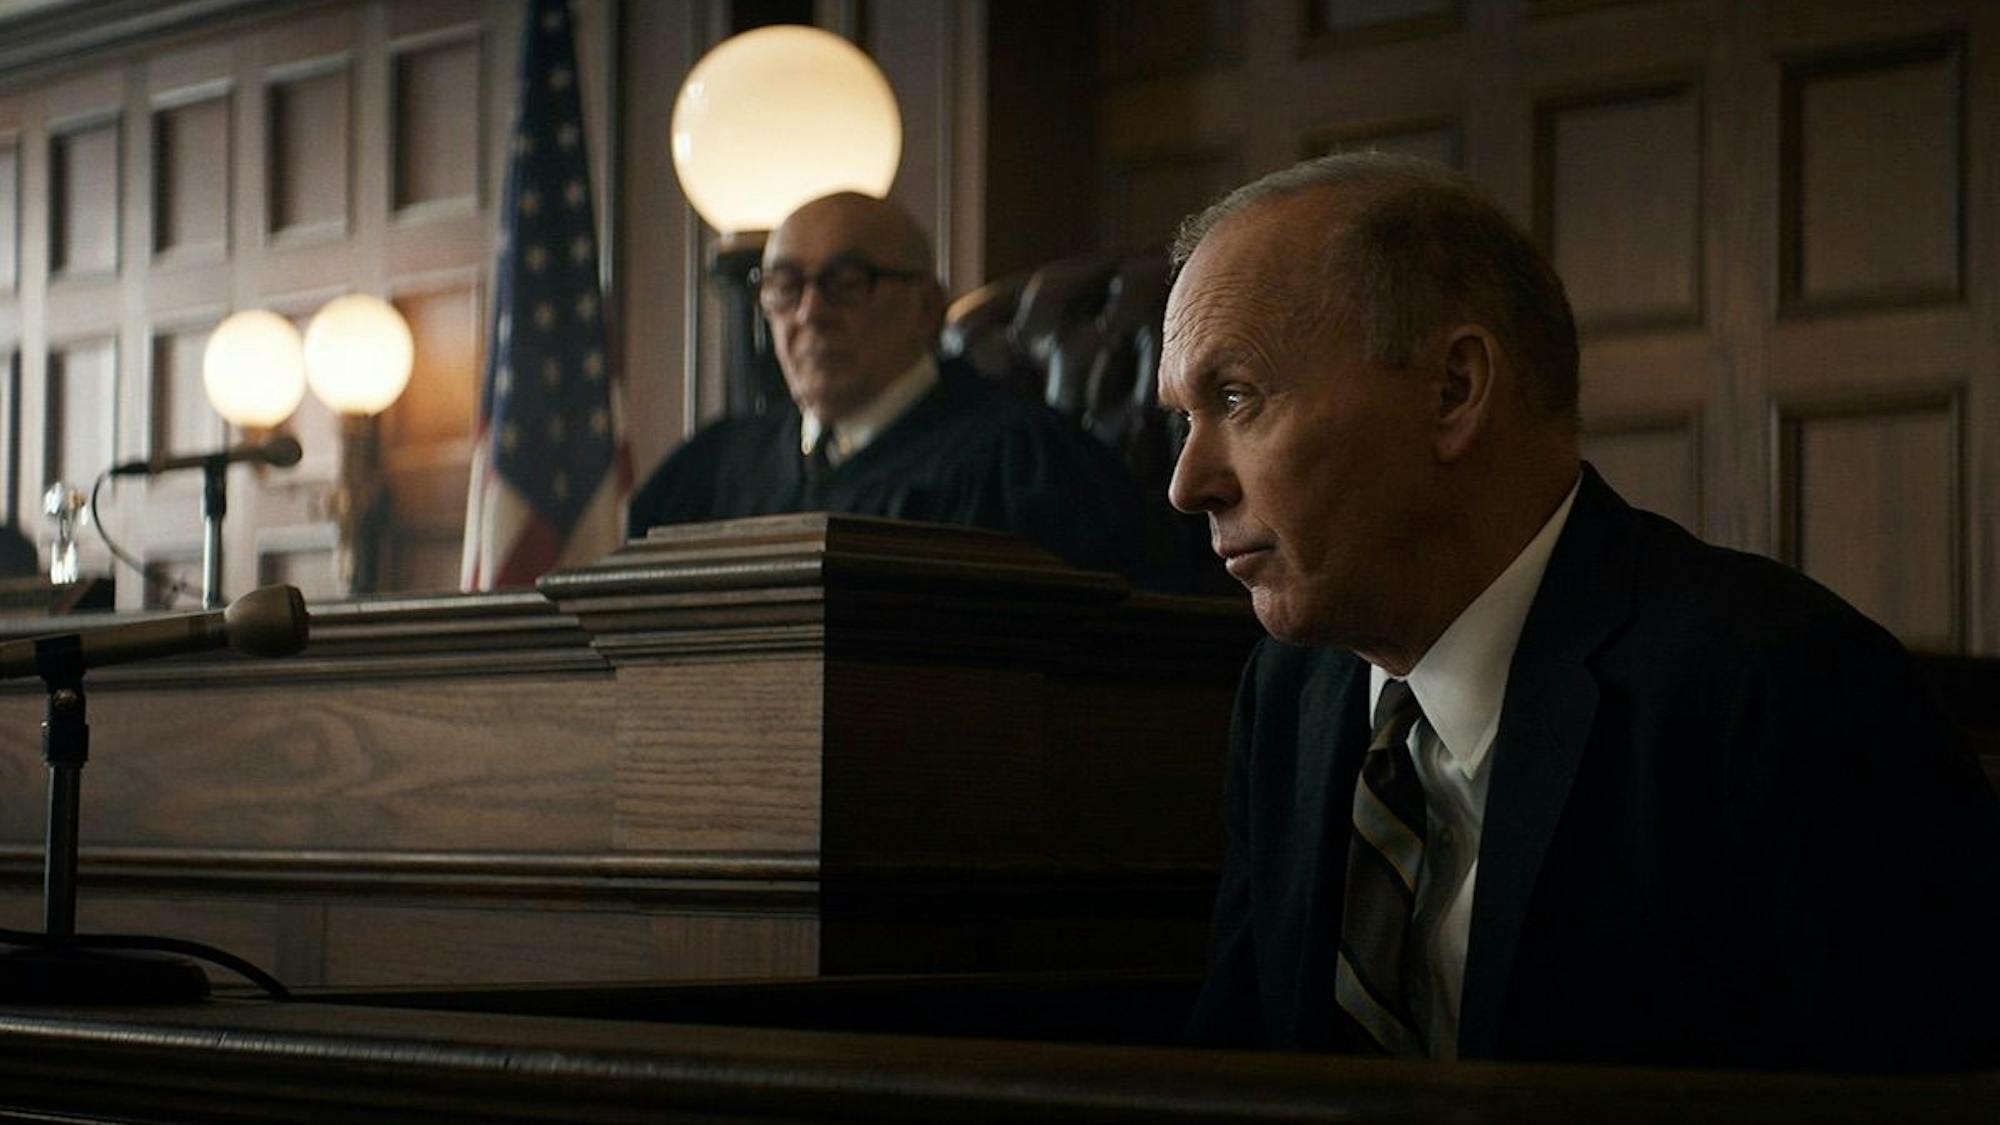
[1725,828]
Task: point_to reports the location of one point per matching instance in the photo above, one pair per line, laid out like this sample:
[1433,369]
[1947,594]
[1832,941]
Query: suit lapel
[1545,726]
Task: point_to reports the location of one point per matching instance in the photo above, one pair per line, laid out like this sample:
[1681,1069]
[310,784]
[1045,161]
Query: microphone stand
[58,971]
[214,505]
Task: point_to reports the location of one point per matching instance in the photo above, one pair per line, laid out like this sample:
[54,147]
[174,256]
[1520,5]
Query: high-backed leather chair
[1083,335]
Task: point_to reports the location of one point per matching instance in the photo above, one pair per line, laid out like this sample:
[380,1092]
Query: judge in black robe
[968,452]
[854,312]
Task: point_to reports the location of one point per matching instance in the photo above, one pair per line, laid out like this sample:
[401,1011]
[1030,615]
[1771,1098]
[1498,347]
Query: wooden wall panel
[443,393]
[1654,464]
[182,420]
[1153,194]
[1426,140]
[10,433]
[1619,204]
[427,439]
[1872,498]
[191,179]
[82,403]
[436,141]
[1346,17]
[1154,37]
[83,199]
[1874,176]
[310,147]
[299,556]
[10,215]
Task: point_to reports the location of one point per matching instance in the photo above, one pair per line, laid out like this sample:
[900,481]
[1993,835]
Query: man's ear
[1467,397]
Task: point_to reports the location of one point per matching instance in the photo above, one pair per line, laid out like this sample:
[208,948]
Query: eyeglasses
[841,283]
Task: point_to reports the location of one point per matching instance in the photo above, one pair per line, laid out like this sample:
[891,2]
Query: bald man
[876,424]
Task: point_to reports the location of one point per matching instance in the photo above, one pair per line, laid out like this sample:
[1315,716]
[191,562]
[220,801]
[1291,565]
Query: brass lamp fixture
[358,357]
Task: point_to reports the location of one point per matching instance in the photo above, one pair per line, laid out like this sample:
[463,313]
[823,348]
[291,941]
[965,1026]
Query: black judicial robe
[969,453]
[1725,828]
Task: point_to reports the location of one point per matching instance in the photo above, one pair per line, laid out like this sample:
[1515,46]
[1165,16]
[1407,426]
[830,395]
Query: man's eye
[1233,398]
[845,280]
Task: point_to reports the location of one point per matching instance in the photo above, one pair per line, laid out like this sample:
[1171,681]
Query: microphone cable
[142,943]
[175,585]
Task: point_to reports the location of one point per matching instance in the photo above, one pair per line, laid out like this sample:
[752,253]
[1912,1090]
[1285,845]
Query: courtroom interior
[815,814]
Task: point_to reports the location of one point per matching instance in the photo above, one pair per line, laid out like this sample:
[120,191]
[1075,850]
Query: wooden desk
[258,1061]
[781,747]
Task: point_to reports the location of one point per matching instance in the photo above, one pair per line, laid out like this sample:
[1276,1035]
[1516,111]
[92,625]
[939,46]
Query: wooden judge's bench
[806,818]
[783,747]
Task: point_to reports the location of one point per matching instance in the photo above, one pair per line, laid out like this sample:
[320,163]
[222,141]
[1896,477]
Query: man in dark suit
[877,425]
[1525,773]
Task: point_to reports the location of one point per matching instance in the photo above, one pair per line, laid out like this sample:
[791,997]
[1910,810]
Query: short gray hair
[1419,247]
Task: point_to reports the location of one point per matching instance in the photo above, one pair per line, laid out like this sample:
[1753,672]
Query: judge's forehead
[849,225]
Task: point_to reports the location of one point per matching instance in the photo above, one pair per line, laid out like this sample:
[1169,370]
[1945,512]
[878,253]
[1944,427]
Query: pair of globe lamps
[355,355]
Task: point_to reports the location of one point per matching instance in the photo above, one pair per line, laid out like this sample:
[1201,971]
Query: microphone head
[281,450]
[268,621]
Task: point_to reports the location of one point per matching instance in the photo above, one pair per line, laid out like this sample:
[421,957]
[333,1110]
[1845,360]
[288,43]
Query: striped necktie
[1378,958]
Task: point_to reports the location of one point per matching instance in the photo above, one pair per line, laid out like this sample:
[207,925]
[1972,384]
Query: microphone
[269,621]
[279,449]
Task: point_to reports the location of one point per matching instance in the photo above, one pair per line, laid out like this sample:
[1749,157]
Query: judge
[876,424]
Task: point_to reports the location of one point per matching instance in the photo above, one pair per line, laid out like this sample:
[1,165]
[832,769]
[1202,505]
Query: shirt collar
[855,431]
[1461,681]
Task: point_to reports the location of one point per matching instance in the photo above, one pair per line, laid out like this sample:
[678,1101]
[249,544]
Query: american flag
[550,468]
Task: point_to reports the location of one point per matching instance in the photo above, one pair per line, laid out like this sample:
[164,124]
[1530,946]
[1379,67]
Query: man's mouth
[1241,559]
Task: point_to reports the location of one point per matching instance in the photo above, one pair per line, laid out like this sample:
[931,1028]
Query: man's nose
[1202,480]
[813,305]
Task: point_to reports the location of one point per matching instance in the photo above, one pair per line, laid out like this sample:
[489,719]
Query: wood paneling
[191,172]
[1332,23]
[436,141]
[83,199]
[443,396]
[182,419]
[1144,38]
[82,403]
[301,557]
[1426,140]
[1873,176]
[1879,475]
[1150,196]
[1618,203]
[10,215]
[1654,464]
[10,434]
[731,762]
[309,146]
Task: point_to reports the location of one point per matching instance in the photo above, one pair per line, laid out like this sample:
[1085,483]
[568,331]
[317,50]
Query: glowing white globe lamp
[254,369]
[358,354]
[775,117]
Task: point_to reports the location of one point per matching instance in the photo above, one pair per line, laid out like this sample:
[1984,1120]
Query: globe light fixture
[253,369]
[358,354]
[775,117]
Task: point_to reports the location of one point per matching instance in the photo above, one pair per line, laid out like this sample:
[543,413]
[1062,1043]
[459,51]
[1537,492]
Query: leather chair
[1083,335]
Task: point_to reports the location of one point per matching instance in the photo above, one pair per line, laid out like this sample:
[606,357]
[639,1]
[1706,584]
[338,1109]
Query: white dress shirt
[1460,683]
[853,433]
